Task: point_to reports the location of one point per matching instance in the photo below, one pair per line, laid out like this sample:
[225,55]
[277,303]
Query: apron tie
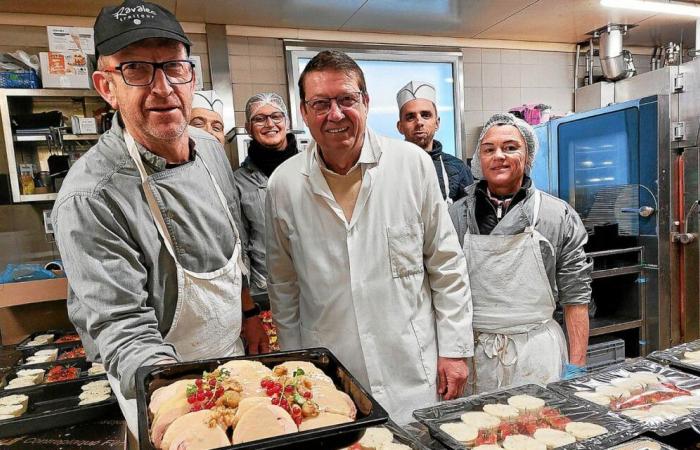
[496,345]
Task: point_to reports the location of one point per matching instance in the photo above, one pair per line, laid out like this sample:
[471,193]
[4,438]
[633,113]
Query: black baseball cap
[119,26]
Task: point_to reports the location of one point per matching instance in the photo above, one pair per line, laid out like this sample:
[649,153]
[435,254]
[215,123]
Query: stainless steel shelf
[600,326]
[606,273]
[66,137]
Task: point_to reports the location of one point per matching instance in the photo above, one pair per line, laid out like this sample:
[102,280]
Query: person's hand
[255,336]
[452,377]
[572,371]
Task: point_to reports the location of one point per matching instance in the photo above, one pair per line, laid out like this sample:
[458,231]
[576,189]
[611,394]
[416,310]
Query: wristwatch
[252,312]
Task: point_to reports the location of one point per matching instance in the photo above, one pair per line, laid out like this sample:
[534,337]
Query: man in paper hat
[418,123]
[208,113]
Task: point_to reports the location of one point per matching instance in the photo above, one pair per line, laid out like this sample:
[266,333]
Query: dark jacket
[458,173]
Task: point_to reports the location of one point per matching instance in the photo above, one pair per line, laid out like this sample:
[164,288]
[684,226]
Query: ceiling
[563,21]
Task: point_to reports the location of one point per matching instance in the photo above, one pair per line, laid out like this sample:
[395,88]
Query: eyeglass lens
[345,101]
[261,119]
[140,73]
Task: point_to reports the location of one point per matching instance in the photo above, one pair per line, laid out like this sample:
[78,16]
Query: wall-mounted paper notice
[70,39]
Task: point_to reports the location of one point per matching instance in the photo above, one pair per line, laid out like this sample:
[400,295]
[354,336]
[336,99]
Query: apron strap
[158,215]
[150,198]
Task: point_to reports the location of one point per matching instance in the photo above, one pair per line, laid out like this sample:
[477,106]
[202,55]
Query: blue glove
[572,371]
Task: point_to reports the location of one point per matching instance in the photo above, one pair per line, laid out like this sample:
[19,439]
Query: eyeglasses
[322,105]
[142,73]
[261,119]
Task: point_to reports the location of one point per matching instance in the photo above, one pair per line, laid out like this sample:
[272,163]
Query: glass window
[386,73]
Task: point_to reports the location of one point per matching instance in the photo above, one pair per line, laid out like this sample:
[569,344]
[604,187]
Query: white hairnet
[526,131]
[257,101]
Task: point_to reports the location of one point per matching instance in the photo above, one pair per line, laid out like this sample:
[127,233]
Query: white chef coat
[387,292]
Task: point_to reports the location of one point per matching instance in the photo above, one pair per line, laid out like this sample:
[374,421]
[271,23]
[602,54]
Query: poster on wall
[71,39]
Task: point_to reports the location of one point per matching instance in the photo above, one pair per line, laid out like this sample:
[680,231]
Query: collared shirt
[123,282]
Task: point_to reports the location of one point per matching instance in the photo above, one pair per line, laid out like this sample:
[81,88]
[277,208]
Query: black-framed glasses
[259,120]
[321,105]
[142,73]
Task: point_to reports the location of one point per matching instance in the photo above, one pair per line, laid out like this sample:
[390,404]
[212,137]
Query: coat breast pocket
[405,249]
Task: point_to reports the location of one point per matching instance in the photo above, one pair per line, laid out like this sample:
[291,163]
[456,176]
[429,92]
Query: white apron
[446,182]
[207,320]
[516,339]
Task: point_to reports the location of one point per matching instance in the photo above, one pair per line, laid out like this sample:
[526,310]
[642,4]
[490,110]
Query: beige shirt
[345,188]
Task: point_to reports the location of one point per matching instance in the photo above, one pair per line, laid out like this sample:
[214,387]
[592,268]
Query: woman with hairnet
[524,251]
[267,122]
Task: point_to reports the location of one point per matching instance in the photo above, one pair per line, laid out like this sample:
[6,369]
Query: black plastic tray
[81,364]
[619,429]
[673,355]
[404,437]
[54,405]
[644,443]
[662,428]
[61,349]
[22,346]
[369,411]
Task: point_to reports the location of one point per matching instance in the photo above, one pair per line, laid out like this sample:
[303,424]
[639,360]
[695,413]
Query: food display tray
[643,443]
[369,412]
[22,346]
[403,437]
[619,429]
[54,405]
[676,377]
[82,364]
[673,357]
[62,348]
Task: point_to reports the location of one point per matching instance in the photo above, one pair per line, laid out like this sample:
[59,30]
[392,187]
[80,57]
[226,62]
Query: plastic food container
[666,406]
[53,405]
[369,412]
[59,337]
[618,429]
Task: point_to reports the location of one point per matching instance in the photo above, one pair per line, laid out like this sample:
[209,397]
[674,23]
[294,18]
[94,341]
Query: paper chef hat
[415,90]
[208,100]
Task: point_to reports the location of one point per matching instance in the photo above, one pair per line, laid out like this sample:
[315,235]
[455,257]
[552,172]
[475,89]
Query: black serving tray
[62,348]
[369,411]
[22,346]
[665,427]
[642,443]
[619,429]
[404,437]
[673,355]
[81,364]
[53,405]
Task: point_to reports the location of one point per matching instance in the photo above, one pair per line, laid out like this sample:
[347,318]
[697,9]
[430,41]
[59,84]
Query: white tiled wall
[256,65]
[496,80]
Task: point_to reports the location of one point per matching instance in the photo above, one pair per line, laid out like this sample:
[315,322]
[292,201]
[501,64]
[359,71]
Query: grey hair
[257,101]
[527,132]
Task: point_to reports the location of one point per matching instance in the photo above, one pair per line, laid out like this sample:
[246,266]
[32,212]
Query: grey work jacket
[568,268]
[123,283]
[251,184]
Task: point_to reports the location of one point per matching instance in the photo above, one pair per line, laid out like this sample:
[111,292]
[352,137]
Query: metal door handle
[643,211]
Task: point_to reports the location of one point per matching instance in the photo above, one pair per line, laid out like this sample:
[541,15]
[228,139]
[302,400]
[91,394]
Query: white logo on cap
[135,13]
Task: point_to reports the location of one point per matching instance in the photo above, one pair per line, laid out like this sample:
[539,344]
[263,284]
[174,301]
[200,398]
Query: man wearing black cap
[145,220]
